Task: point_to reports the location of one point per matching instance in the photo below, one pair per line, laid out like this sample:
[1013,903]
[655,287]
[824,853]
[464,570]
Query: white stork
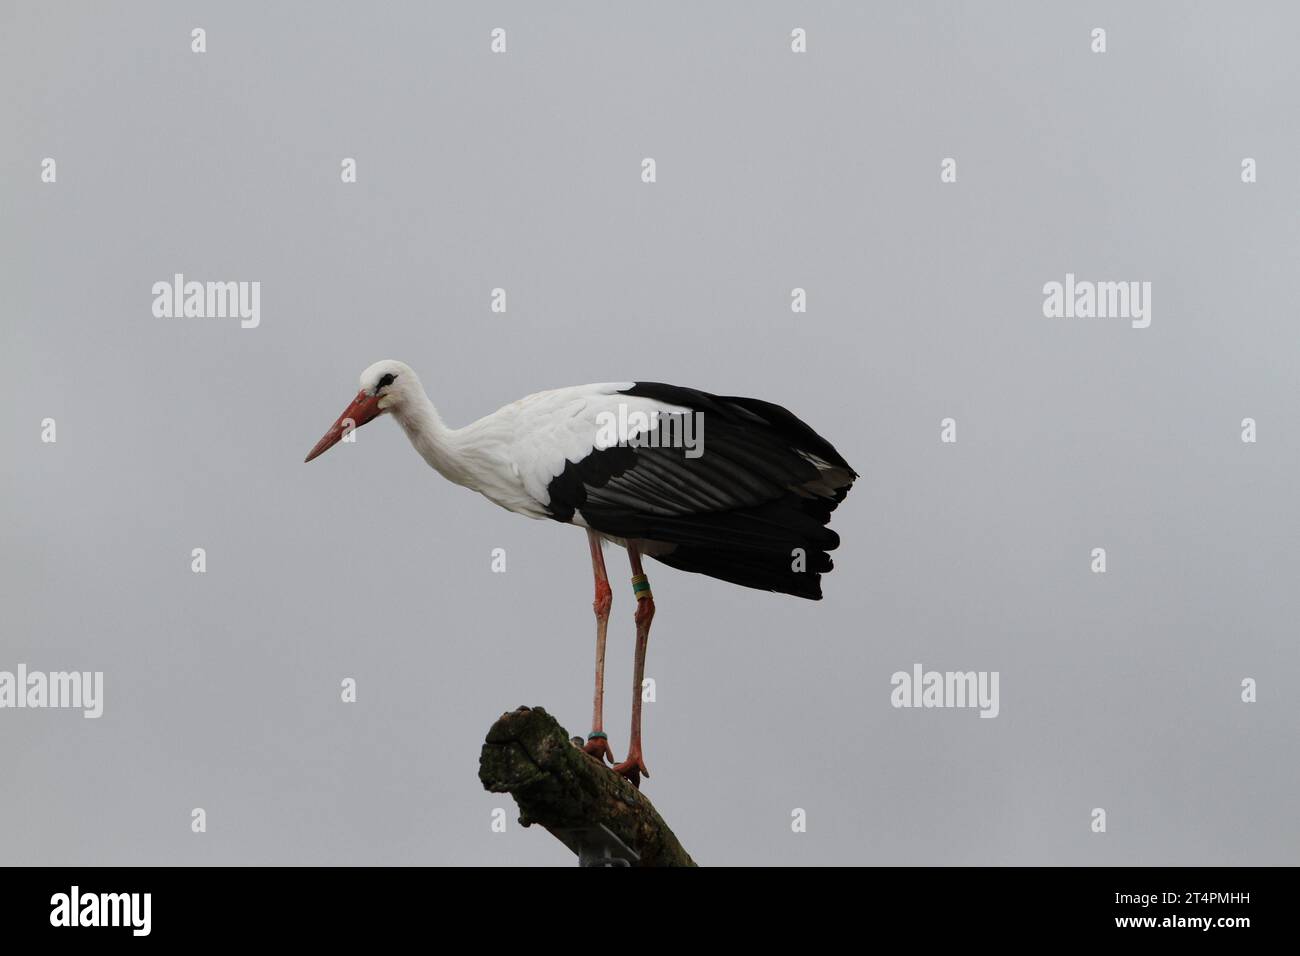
[743,493]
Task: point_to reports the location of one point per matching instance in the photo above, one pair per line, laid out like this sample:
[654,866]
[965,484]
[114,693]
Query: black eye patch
[386,380]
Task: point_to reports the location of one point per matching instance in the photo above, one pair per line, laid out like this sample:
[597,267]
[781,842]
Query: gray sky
[775,170]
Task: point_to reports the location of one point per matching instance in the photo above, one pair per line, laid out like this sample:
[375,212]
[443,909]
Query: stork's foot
[597,746]
[633,768]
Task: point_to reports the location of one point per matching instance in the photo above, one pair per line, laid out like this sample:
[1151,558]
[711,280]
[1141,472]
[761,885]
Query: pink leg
[634,766]
[597,743]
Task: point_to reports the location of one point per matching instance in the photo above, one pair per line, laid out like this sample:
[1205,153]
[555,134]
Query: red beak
[363,408]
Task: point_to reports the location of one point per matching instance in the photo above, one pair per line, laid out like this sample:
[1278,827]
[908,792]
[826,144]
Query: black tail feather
[765,570]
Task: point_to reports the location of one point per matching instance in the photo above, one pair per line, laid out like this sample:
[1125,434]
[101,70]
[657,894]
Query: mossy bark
[528,755]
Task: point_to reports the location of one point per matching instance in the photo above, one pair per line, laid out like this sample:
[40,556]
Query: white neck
[436,443]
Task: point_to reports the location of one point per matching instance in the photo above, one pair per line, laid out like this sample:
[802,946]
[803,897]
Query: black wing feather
[737,512]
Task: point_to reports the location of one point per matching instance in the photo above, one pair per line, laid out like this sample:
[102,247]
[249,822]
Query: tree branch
[528,755]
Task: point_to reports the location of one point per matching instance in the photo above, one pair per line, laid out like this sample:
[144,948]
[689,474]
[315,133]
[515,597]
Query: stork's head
[386,386]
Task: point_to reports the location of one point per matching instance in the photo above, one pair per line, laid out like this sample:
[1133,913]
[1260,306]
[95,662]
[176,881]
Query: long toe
[598,747]
[633,768]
